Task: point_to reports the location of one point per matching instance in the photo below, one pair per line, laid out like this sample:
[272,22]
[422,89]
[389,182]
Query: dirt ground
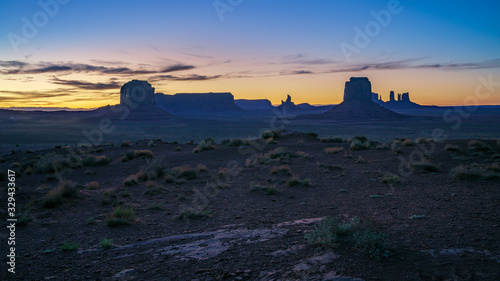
[441,227]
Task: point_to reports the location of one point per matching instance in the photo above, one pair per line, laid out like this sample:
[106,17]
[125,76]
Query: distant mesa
[358,104]
[137,94]
[254,105]
[403,101]
[198,104]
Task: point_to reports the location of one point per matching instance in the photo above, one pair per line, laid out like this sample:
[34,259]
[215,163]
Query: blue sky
[436,50]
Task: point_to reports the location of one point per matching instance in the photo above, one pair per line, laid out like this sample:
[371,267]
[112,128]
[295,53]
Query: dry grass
[281,170]
[333,150]
[92,185]
[65,189]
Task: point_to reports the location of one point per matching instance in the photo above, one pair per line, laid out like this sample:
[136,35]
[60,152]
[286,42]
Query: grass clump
[426,166]
[204,145]
[281,170]
[296,181]
[143,153]
[193,214]
[421,140]
[152,188]
[96,161]
[333,140]
[333,233]
[92,185]
[408,142]
[333,150]
[452,147]
[152,170]
[476,172]
[131,180]
[107,243]
[390,179]
[69,246]
[478,145]
[280,154]
[270,134]
[234,143]
[65,189]
[49,163]
[267,190]
[121,216]
[184,171]
[361,143]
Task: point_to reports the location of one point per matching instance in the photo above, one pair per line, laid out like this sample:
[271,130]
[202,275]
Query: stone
[137,94]
[358,88]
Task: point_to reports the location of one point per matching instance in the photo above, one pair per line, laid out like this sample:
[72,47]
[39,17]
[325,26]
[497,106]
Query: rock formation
[358,104]
[137,94]
[288,106]
[391,96]
[198,104]
[254,105]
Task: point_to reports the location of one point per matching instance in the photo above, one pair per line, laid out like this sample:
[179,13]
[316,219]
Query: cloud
[190,77]
[87,85]
[18,67]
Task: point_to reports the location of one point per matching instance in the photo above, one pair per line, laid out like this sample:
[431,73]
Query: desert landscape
[250,140]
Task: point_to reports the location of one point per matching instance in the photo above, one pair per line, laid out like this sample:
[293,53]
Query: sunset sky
[78,53]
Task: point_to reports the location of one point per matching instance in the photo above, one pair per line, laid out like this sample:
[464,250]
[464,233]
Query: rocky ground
[242,212]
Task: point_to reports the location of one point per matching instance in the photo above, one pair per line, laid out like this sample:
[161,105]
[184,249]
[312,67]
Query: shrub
[206,144]
[234,143]
[390,179]
[333,139]
[143,153]
[396,146]
[361,143]
[28,171]
[421,140]
[152,170]
[96,161]
[131,180]
[268,190]
[313,134]
[333,150]
[452,147]
[201,168]
[178,148]
[184,171]
[295,181]
[125,143]
[270,134]
[478,145]
[49,163]
[425,166]
[280,154]
[92,185]
[69,246]
[121,216]
[107,243]
[193,214]
[283,170]
[476,172]
[152,189]
[333,233]
[408,142]
[65,189]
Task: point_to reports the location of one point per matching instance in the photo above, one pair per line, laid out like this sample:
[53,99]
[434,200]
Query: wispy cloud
[87,85]
[190,77]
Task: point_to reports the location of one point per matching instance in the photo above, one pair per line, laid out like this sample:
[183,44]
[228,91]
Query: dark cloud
[87,85]
[18,67]
[191,77]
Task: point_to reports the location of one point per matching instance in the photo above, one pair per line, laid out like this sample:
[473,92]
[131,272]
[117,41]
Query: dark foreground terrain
[152,210]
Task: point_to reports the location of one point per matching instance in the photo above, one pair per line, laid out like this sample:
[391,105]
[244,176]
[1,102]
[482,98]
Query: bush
[204,145]
[421,140]
[184,171]
[295,181]
[313,134]
[125,143]
[96,161]
[408,142]
[280,154]
[131,180]
[452,147]
[107,243]
[478,145]
[361,143]
[49,163]
[92,185]
[333,150]
[121,216]
[69,246]
[270,134]
[65,189]
[333,233]
[268,190]
[425,166]
[283,170]
[193,214]
[333,139]
[234,143]
[143,153]
[152,170]
[476,172]
[390,179]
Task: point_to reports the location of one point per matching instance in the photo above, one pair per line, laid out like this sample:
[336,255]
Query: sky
[77,54]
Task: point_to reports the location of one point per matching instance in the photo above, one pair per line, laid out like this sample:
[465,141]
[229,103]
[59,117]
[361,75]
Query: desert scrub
[121,216]
[204,145]
[65,189]
[313,134]
[92,185]
[478,145]
[389,179]
[270,134]
[396,146]
[96,160]
[296,181]
[408,142]
[125,144]
[107,243]
[333,150]
[49,163]
[131,180]
[152,188]
[361,143]
[452,147]
[193,214]
[476,172]
[234,143]
[332,233]
[268,190]
[280,154]
[143,153]
[152,170]
[425,166]
[281,170]
[184,171]
[333,140]
[69,246]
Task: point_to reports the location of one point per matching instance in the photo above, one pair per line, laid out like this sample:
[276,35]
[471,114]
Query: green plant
[155,206]
[69,246]
[152,170]
[152,189]
[143,153]
[390,179]
[125,193]
[121,216]
[413,217]
[206,144]
[361,143]
[282,170]
[234,143]
[332,233]
[107,243]
[49,163]
[333,150]
[295,181]
[65,189]
[193,214]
